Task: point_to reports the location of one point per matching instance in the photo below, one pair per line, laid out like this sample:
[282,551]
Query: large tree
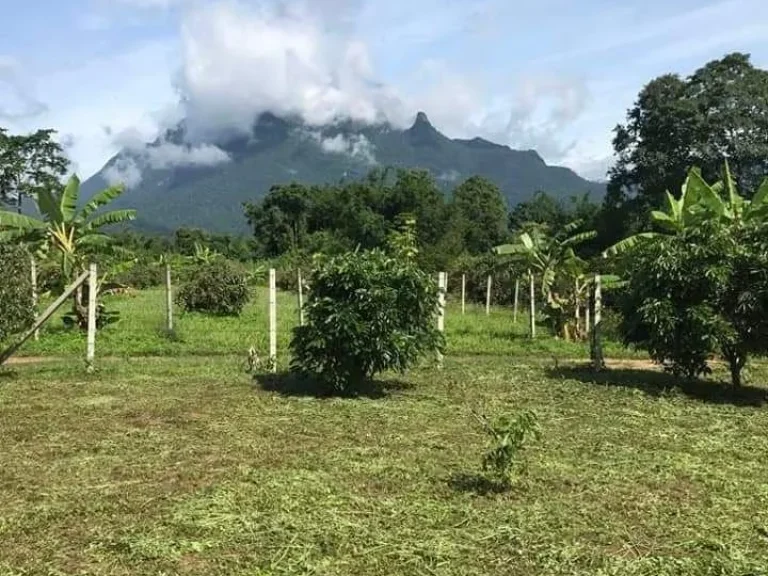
[29,163]
[720,111]
[481,205]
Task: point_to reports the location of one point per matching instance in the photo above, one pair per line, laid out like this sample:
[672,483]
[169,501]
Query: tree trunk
[736,362]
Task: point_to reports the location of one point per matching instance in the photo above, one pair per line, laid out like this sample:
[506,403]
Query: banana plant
[698,202]
[64,231]
[547,255]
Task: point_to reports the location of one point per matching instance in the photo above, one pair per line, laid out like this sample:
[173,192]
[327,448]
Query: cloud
[16,99]
[355,146]
[241,60]
[123,171]
[136,156]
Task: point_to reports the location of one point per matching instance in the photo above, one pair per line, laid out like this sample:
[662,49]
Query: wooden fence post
[441,284]
[488,296]
[587,325]
[301,300]
[577,308]
[272,321]
[463,292]
[92,288]
[168,299]
[596,352]
[33,267]
[532,320]
[517,295]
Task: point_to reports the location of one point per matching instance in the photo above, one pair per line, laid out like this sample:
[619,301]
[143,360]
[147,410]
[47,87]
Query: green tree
[29,163]
[721,110]
[481,205]
[702,286]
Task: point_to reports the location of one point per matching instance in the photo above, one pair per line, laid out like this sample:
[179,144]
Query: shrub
[698,293]
[366,313]
[142,275]
[16,309]
[509,436]
[218,287]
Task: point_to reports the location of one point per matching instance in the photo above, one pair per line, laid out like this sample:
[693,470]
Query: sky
[552,75]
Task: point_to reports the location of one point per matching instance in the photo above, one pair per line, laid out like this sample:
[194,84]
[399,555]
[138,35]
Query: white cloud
[356,146]
[170,155]
[124,171]
[239,61]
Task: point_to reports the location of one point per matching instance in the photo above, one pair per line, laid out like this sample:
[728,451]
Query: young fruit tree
[367,312]
[702,288]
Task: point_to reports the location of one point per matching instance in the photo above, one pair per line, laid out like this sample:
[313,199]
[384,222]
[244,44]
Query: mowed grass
[141,332]
[163,464]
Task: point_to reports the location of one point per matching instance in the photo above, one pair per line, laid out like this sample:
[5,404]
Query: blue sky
[553,75]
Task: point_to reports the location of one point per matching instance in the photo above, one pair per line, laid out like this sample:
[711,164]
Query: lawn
[177,462]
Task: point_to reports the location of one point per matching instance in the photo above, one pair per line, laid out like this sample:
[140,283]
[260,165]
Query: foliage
[29,163]
[721,110]
[366,313]
[16,305]
[551,258]
[217,287]
[699,292]
[509,436]
[67,231]
[482,207]
[142,274]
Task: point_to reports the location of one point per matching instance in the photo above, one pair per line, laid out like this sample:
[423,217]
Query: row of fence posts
[592,328]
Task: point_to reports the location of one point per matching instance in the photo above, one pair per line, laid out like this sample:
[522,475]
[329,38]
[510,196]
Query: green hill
[284,150]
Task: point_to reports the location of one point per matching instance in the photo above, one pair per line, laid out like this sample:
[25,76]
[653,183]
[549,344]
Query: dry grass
[184,466]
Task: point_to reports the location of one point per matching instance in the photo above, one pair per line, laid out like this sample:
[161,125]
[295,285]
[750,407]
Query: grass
[141,332]
[183,464]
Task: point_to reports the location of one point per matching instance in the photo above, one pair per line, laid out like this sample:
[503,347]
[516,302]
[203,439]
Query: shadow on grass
[291,384]
[656,384]
[7,373]
[475,484]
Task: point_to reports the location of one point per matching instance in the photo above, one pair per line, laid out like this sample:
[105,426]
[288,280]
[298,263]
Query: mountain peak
[422,119]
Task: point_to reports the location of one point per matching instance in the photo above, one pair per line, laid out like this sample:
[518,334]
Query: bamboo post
[517,295]
[168,299]
[488,297]
[33,268]
[92,288]
[442,282]
[463,292]
[532,319]
[586,318]
[301,300]
[577,307]
[272,321]
[598,363]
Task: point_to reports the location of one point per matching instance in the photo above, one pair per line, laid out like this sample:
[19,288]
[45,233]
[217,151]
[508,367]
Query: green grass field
[170,459]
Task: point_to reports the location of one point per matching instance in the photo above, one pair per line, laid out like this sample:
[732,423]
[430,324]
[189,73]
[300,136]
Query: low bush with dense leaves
[219,288]
[366,313]
[16,309]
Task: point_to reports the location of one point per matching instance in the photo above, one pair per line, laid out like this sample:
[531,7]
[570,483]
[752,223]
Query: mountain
[206,192]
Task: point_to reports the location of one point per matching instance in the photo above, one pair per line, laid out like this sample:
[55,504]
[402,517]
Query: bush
[218,287]
[142,275]
[16,310]
[366,313]
[698,293]
[503,460]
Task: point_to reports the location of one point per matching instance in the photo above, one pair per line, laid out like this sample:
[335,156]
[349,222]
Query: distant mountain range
[207,187]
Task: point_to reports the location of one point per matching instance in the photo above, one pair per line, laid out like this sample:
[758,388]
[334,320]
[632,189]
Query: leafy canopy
[367,312]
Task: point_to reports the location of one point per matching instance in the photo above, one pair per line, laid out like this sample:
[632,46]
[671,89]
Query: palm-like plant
[698,202]
[551,259]
[64,231]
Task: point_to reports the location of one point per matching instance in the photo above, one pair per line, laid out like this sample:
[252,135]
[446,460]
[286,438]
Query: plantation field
[141,332]
[170,459]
